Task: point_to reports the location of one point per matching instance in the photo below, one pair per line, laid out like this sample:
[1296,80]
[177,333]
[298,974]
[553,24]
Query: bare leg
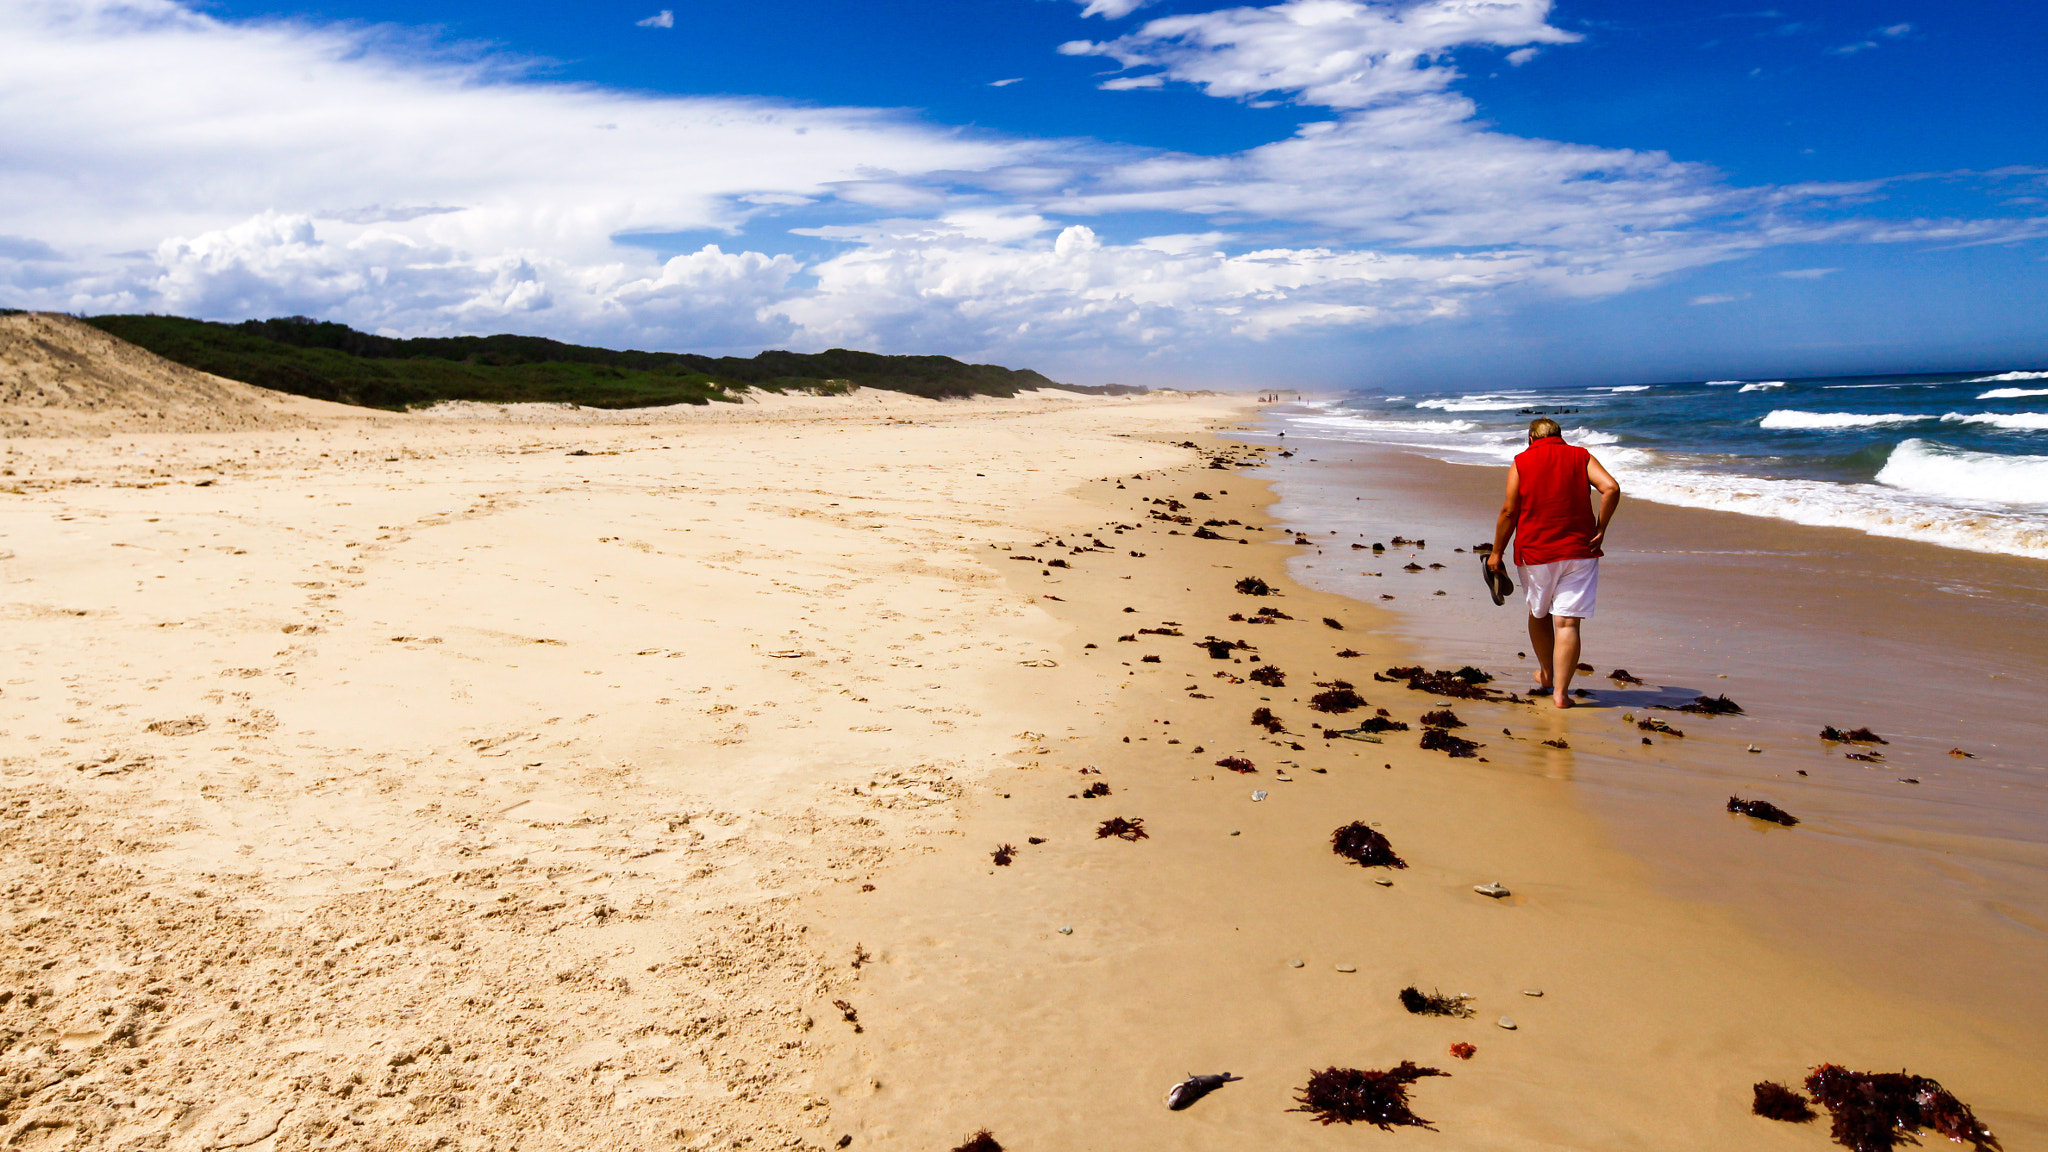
[1541,637]
[1565,660]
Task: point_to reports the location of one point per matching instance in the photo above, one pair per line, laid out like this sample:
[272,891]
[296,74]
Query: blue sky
[1314,193]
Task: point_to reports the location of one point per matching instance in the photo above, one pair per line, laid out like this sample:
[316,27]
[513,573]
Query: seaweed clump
[1655,725]
[1382,724]
[1003,854]
[1333,622]
[1874,1111]
[1467,683]
[1438,740]
[982,1141]
[1711,706]
[1463,1051]
[1365,846]
[1122,829]
[1774,1101]
[1421,1003]
[1762,810]
[1351,1095]
[1337,700]
[1350,654]
[1835,735]
[1270,676]
[1237,764]
[1623,676]
[1264,718]
[1443,718]
[1254,586]
[1095,790]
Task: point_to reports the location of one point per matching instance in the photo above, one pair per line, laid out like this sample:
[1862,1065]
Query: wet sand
[1659,1007]
[1936,889]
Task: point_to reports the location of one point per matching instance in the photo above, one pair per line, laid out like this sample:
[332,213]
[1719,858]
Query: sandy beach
[502,780]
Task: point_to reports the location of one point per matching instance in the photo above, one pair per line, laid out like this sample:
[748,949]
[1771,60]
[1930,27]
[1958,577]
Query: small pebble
[1494,890]
[1235,832]
[1506,1022]
[1294,963]
[1347,967]
[1066,930]
[1383,882]
[1258,796]
[1532,991]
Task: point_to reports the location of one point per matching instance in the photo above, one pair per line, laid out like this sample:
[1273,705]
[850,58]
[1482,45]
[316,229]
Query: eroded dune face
[62,377]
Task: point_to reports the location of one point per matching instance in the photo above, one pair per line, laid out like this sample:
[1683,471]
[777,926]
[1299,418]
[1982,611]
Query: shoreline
[1657,1011]
[1935,648]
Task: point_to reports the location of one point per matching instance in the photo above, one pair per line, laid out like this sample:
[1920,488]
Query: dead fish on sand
[1195,1087]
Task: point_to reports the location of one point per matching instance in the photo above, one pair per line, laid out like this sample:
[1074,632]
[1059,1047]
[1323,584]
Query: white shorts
[1563,587]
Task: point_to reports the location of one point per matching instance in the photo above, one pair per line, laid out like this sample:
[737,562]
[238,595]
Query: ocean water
[1957,459]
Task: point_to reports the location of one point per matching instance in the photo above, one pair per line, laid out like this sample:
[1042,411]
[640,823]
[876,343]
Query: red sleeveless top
[1556,519]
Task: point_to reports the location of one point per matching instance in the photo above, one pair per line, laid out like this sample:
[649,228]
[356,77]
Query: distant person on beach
[1549,515]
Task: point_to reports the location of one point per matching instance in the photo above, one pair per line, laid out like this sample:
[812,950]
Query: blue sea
[1956,459]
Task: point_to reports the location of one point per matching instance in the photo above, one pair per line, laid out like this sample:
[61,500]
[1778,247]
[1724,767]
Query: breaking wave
[1794,418]
[2004,376]
[1940,470]
[2011,393]
[1761,386]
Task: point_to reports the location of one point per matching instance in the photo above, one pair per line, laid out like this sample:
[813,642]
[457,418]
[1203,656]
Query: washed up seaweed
[1272,614]
[1421,1003]
[1835,735]
[1095,791]
[1003,855]
[1264,718]
[1865,757]
[1333,623]
[1207,534]
[1382,724]
[1438,740]
[1338,700]
[1762,810]
[1705,706]
[1352,1095]
[1442,718]
[1254,586]
[1655,725]
[1132,829]
[1349,654]
[1366,846]
[1237,764]
[849,1013]
[1159,632]
[982,1141]
[1270,676]
[1466,683]
[1560,744]
[1774,1101]
[1463,1051]
[1874,1111]
[1621,676]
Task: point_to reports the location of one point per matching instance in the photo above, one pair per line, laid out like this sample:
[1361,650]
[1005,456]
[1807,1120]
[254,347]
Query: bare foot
[1563,702]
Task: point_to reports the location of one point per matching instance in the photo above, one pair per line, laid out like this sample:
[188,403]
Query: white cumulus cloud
[662,19]
[1112,9]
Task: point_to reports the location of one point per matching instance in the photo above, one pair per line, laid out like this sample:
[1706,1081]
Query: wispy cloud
[1807,273]
[1334,53]
[1005,83]
[1111,9]
[662,19]
[1718,299]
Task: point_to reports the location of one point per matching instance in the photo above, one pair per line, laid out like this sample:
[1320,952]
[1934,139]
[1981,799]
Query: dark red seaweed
[1774,1101]
[1423,1003]
[1352,1095]
[1874,1111]
[1762,810]
[1365,845]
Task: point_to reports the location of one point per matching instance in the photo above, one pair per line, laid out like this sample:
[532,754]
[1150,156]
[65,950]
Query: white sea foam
[2004,376]
[1365,424]
[1476,403]
[1761,386]
[1939,470]
[2010,421]
[1869,508]
[2011,393]
[1631,388]
[1854,387]
[1721,383]
[1794,418]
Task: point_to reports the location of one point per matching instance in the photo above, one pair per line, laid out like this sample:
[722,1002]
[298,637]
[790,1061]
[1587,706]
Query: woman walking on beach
[1549,514]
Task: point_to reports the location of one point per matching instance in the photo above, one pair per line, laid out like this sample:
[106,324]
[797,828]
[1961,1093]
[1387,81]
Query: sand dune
[63,377]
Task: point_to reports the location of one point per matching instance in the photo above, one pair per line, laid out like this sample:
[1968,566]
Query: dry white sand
[416,782]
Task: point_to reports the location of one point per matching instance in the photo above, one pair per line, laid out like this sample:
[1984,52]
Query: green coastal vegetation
[329,361]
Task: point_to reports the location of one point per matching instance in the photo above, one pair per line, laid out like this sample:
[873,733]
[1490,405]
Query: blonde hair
[1543,426]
